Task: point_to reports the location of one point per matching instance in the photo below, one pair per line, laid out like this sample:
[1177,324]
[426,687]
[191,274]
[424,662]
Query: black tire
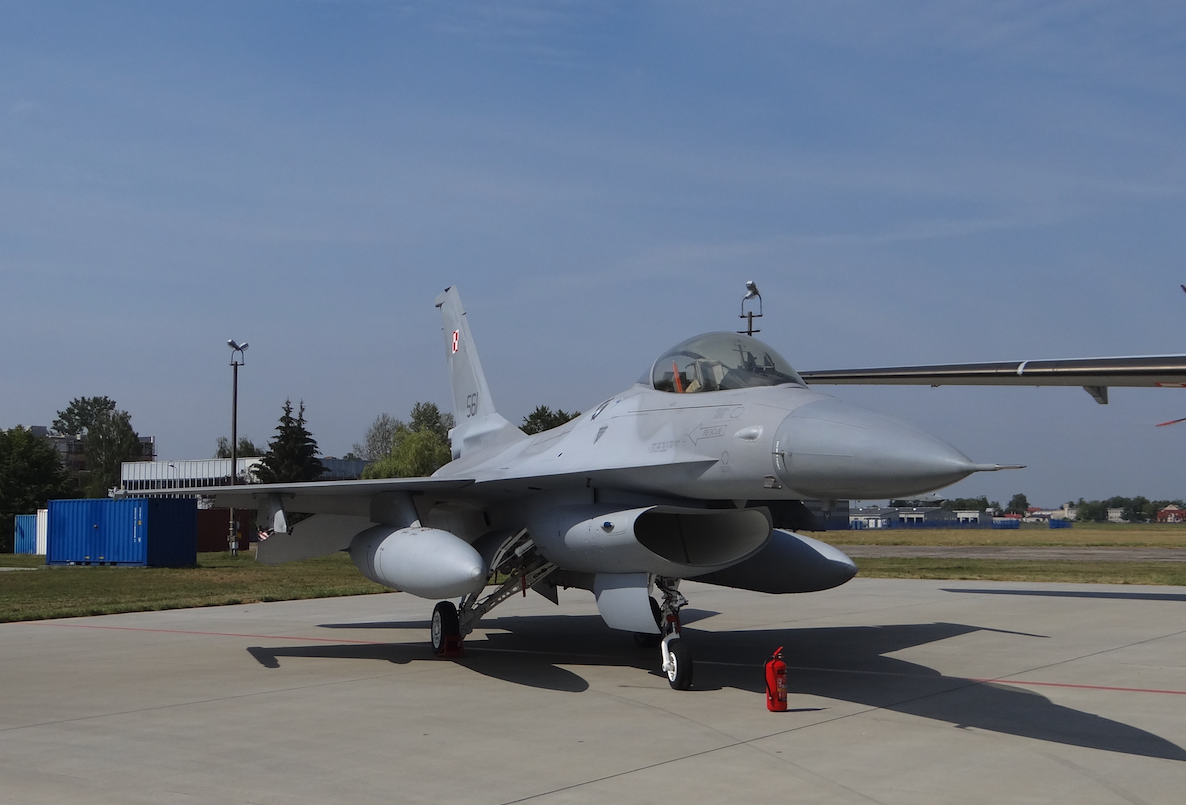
[646,639]
[680,675]
[444,625]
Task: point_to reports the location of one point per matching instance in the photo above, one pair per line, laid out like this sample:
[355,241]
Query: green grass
[219,579]
[1085,535]
[1171,573]
[19,560]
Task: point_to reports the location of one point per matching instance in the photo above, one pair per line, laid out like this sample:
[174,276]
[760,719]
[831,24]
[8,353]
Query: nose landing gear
[677,663]
[677,657]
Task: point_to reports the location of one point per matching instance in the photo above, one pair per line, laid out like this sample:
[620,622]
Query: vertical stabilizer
[478,425]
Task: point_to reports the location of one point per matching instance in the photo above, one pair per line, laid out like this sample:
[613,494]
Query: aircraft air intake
[666,540]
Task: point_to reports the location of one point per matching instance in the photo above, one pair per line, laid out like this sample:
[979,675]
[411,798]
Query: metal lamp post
[236,349]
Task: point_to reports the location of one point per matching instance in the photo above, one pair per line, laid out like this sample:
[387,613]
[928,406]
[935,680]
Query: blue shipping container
[25,535]
[150,532]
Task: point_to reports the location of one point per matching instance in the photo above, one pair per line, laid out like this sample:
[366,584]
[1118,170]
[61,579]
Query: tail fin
[478,426]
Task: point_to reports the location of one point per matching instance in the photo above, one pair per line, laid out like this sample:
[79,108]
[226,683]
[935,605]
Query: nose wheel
[677,663]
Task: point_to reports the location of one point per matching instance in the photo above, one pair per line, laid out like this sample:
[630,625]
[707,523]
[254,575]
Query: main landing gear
[446,630]
[518,563]
[520,566]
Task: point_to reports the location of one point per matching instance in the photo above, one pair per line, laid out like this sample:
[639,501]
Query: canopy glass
[719,362]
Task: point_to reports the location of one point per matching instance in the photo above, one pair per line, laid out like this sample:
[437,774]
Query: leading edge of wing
[637,478]
[247,496]
[342,496]
[1137,371]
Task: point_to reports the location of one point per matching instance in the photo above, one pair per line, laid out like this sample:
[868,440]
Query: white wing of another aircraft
[699,470]
[1095,375]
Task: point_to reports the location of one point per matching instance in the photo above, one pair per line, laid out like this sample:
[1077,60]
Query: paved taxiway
[901,692]
[1040,553]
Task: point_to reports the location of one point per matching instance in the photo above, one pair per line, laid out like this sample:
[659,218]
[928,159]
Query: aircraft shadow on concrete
[842,663]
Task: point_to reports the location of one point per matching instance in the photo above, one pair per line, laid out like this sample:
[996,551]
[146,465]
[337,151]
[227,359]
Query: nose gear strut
[677,658]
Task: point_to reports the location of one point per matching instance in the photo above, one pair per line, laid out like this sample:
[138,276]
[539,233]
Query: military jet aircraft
[699,470]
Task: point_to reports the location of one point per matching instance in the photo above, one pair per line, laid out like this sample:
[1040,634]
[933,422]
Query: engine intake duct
[668,540]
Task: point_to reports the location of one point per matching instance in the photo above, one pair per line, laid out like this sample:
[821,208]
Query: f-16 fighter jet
[697,471]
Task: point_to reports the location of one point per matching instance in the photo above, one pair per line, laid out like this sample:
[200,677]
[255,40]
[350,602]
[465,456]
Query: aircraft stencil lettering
[706,432]
[615,503]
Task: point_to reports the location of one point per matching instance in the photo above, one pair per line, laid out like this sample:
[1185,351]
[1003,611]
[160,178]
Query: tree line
[32,471]
[1139,509]
[420,446]
[1134,510]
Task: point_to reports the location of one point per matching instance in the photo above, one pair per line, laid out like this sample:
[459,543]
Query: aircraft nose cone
[830,449]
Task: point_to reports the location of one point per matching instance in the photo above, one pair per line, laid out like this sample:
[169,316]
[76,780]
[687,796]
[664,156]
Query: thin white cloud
[24,108]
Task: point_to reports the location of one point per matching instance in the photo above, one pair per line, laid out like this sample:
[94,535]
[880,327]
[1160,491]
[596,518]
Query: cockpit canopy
[719,362]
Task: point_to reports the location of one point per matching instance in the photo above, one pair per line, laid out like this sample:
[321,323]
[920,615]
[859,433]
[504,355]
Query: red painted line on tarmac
[982,681]
[214,634]
[1082,687]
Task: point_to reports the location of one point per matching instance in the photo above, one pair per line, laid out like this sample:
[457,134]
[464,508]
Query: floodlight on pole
[751,292]
[237,359]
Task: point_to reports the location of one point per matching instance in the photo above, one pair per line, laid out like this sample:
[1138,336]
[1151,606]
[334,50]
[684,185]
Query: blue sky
[907,183]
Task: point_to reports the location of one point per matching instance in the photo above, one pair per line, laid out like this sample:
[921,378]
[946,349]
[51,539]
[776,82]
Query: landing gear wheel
[444,627]
[679,665]
[646,639]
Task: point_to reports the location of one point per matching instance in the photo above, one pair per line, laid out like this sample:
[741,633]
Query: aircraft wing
[331,497]
[1093,374]
[354,497]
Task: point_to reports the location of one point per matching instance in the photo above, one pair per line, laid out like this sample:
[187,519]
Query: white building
[137,476]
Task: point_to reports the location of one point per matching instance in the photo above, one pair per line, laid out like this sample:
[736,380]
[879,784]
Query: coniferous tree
[427,416]
[544,418]
[292,455]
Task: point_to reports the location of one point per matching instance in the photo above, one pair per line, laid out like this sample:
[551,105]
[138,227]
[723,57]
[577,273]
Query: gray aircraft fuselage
[766,443]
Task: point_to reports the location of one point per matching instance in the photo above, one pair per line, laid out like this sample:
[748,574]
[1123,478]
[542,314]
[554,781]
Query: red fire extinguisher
[776,682]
